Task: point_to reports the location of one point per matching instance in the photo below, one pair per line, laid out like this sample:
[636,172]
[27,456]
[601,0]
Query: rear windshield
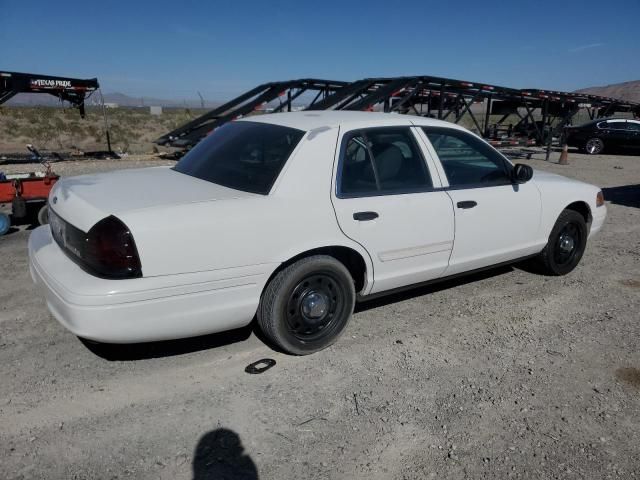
[246,156]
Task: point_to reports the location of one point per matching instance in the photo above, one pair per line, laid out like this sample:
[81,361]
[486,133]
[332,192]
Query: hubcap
[594,146]
[567,244]
[314,307]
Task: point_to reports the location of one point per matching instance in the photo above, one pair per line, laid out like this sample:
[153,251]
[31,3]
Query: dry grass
[132,130]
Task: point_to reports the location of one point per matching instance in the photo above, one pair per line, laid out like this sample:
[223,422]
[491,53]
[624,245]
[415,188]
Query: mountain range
[629,91]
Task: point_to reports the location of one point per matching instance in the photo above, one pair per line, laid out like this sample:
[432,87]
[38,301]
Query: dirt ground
[506,374]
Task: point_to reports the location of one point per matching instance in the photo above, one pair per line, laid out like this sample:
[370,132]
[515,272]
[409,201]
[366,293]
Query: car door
[495,220]
[633,131]
[387,197]
[616,134]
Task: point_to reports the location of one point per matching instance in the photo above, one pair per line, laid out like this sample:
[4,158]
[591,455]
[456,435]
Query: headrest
[388,162]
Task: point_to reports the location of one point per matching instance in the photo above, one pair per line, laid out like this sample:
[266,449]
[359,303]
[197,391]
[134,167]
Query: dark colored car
[605,134]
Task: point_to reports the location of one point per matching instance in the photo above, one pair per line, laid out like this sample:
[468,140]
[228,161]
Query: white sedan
[291,218]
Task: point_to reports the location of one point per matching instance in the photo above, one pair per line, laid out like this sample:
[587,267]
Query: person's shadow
[220,455]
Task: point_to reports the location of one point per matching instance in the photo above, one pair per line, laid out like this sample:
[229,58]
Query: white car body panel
[557,192]
[401,256]
[504,225]
[84,199]
[207,251]
[138,310]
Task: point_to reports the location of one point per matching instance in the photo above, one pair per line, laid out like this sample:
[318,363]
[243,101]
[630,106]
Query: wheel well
[347,256]
[582,208]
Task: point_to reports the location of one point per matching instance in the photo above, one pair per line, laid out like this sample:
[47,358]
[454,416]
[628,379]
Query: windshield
[246,156]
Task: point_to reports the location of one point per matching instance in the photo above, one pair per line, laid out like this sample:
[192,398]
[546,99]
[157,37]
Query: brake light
[110,250]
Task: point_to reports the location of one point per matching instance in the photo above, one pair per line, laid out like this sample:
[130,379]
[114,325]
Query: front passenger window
[467,160]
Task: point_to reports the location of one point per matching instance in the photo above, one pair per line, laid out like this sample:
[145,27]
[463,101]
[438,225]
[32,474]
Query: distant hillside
[629,91]
[38,99]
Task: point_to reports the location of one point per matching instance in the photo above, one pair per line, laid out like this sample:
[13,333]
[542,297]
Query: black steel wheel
[566,245]
[313,306]
[307,305]
[594,146]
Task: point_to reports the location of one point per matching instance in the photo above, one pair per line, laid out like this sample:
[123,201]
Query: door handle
[365,216]
[467,204]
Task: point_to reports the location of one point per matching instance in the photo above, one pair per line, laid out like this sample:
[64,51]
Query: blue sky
[173,49]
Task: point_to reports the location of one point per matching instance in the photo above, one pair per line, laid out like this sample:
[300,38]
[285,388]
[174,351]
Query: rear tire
[307,305]
[594,146]
[566,245]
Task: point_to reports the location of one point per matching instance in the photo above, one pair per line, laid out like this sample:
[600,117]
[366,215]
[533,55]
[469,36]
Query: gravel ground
[506,374]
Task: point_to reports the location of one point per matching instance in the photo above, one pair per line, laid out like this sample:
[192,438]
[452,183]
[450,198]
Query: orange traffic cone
[564,156]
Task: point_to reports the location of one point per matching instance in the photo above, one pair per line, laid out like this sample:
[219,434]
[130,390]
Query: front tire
[566,245]
[594,146]
[307,305]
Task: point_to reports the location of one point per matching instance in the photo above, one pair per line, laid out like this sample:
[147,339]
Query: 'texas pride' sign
[44,83]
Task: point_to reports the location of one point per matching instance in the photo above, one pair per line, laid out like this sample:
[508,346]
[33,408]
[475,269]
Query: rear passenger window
[467,160]
[382,161]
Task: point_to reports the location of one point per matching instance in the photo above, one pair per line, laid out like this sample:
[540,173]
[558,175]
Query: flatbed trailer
[20,194]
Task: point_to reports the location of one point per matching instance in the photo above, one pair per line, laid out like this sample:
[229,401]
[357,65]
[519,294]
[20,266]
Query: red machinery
[20,193]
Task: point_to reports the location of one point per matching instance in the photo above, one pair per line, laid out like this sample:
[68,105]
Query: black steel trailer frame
[72,90]
[286,92]
[437,97]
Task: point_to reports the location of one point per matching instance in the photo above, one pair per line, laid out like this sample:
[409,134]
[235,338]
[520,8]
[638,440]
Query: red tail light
[110,250]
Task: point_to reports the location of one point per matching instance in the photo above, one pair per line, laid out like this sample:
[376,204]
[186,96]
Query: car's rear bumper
[144,309]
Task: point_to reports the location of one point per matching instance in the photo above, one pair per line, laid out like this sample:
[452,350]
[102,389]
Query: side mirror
[521,173]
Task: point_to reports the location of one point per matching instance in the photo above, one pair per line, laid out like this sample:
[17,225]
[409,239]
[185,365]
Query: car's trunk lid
[86,199]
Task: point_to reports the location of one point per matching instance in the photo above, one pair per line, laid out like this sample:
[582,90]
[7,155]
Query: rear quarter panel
[263,231]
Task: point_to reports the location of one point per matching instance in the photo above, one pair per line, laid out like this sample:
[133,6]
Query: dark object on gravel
[260,366]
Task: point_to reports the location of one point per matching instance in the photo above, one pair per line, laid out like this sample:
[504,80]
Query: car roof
[311,119]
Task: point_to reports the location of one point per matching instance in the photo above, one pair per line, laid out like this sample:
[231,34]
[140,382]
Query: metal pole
[441,101]
[106,122]
[289,100]
[550,134]
[486,116]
